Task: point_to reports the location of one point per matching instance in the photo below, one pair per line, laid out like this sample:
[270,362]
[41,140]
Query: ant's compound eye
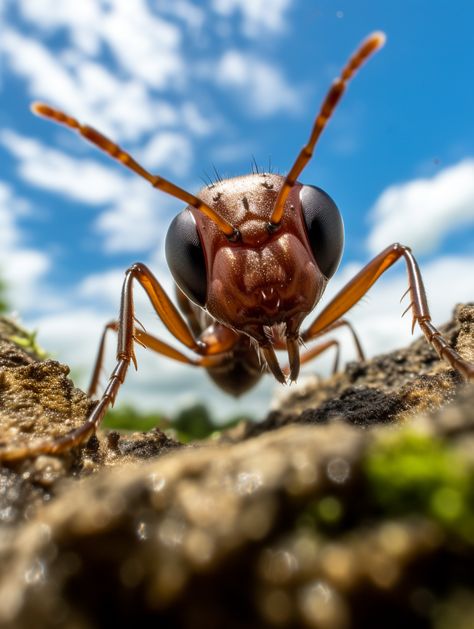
[325,228]
[185,257]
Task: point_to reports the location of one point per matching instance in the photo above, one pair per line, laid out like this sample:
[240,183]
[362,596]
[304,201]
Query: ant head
[264,283]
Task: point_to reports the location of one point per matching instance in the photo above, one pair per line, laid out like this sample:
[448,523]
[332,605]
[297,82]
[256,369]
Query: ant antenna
[115,151]
[366,49]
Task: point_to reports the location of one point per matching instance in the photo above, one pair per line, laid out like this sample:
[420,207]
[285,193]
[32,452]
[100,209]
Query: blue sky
[185,86]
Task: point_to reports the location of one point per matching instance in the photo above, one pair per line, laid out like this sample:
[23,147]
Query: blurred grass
[128,418]
[412,473]
[189,424]
[4,306]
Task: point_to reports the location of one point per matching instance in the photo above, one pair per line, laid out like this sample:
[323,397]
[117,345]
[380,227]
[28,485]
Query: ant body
[251,257]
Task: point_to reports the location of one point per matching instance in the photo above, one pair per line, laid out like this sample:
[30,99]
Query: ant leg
[210,347]
[350,294]
[355,337]
[160,347]
[128,334]
[150,342]
[333,326]
[99,361]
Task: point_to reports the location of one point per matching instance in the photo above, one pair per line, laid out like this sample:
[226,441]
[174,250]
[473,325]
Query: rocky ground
[351,506]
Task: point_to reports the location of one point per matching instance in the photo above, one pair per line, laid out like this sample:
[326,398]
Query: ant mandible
[251,257]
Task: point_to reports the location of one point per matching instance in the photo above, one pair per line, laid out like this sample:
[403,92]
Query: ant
[251,257]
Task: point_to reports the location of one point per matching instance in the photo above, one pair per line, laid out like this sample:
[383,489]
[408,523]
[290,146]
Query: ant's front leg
[350,294]
[211,347]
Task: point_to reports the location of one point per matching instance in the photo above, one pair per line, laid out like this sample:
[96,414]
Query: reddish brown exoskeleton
[251,257]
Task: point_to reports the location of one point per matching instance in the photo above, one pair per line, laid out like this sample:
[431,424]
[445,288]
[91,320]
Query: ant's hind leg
[308,335]
[99,361]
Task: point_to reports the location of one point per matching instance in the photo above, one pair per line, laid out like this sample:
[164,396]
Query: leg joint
[137,268]
[399,247]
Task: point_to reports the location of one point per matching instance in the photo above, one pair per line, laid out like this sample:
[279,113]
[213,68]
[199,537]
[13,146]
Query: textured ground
[351,506]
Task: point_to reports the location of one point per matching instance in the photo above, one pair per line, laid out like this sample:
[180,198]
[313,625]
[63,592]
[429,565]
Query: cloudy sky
[186,86]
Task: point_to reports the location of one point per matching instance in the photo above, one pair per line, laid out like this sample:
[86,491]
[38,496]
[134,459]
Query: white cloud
[103,287]
[420,212]
[136,214]
[81,17]
[72,336]
[122,107]
[192,15]
[152,49]
[22,268]
[196,121]
[258,15]
[168,149]
[8,233]
[261,85]
[45,75]
[83,180]
[137,220]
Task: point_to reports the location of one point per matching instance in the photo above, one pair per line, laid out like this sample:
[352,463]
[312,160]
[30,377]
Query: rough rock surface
[351,506]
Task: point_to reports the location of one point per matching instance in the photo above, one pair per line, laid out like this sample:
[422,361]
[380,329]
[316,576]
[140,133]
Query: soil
[350,506]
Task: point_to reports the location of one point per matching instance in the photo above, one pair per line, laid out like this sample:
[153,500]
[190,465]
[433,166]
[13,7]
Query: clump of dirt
[351,506]
[389,388]
[38,403]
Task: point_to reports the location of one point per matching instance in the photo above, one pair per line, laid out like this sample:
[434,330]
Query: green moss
[413,473]
[190,424]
